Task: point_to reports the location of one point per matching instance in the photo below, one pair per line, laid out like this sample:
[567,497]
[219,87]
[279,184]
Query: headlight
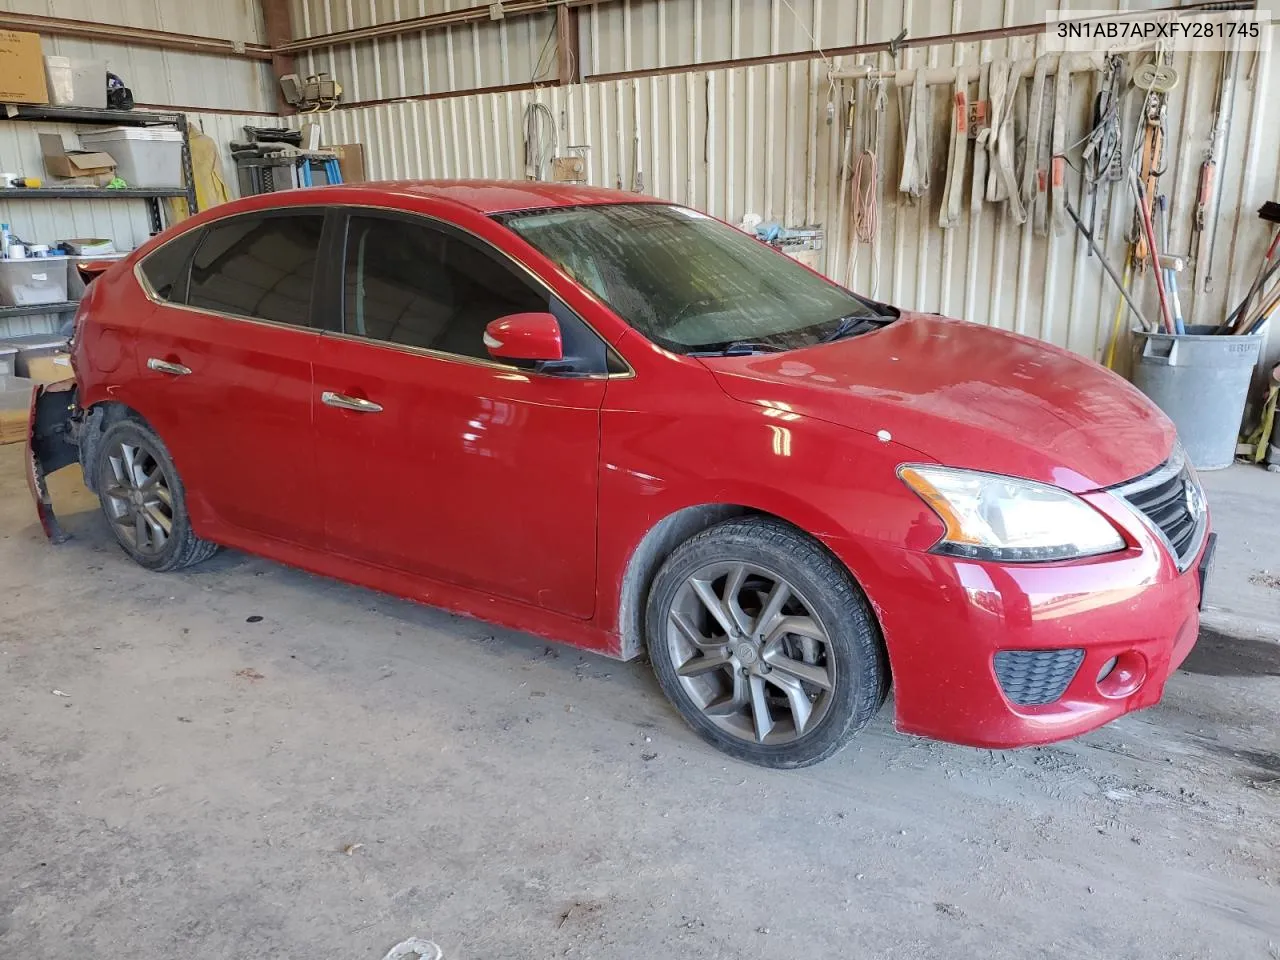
[990,517]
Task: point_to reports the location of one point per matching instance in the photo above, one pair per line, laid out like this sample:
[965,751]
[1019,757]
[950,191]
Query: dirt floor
[244,761]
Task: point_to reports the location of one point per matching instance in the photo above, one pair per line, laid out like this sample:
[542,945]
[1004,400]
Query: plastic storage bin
[33,346]
[75,82]
[8,355]
[144,156]
[31,282]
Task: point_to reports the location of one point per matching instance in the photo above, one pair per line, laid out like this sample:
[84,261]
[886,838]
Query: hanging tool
[1144,214]
[1167,265]
[1115,324]
[1058,161]
[1157,78]
[1032,174]
[982,134]
[915,147]
[1120,284]
[1206,222]
[1101,155]
[953,190]
[1002,181]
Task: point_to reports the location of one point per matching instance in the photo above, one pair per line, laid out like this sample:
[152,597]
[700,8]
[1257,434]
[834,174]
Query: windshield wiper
[854,323]
[735,348]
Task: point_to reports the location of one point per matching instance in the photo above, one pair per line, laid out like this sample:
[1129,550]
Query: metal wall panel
[756,140]
[168,77]
[227,19]
[467,57]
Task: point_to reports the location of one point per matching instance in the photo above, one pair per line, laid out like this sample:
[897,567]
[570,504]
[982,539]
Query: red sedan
[618,423]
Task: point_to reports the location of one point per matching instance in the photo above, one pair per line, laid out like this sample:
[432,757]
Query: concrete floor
[353,770]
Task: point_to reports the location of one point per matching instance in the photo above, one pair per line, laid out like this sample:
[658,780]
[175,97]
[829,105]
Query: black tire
[181,547]
[832,598]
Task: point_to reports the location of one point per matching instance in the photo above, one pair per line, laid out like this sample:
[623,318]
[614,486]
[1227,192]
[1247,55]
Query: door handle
[164,366]
[343,402]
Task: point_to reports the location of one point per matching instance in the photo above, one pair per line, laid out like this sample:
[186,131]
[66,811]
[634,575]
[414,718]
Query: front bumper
[945,619]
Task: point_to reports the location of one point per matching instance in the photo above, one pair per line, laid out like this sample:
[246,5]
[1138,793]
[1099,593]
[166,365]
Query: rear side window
[258,266]
[168,268]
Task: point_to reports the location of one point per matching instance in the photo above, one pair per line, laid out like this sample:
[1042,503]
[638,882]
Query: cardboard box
[350,161]
[22,68]
[62,158]
[50,369]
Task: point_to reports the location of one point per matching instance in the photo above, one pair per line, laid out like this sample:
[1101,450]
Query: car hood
[967,396]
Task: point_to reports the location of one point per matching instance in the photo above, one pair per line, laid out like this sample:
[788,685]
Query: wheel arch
[668,533]
[97,418]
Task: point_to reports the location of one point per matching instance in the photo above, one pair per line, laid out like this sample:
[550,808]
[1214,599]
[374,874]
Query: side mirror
[525,336]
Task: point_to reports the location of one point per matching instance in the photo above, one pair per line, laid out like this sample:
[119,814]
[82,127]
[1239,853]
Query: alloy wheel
[137,498]
[750,653]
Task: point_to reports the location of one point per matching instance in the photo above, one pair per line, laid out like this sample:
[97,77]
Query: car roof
[482,196]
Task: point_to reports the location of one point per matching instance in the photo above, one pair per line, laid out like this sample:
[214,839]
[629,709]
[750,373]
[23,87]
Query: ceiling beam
[132,36]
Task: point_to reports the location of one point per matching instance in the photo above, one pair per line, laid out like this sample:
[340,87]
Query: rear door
[433,458]
[226,371]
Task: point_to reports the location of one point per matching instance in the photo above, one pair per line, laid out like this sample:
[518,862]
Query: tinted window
[258,266]
[166,269]
[686,281]
[411,284]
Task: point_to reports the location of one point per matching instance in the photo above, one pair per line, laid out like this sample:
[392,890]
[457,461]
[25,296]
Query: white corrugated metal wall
[755,140]
[170,77]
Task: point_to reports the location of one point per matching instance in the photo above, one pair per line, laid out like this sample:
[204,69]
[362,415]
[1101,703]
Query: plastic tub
[1201,381]
[31,282]
[33,346]
[144,156]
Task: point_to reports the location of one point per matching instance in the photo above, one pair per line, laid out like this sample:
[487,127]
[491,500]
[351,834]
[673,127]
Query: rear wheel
[764,644]
[143,499]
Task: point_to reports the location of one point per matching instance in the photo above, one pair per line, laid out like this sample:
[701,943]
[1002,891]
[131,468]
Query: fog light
[1122,675]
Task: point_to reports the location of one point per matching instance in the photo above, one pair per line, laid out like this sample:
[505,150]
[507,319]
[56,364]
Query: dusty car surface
[618,423]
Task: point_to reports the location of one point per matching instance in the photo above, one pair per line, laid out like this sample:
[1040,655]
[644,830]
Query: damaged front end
[52,443]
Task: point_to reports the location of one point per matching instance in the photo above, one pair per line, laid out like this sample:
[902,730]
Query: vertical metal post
[188,175]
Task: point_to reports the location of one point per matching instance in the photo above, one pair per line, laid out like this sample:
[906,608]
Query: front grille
[1034,677]
[1170,500]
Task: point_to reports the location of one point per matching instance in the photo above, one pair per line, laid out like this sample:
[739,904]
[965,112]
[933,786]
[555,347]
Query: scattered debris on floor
[350,848]
[248,673]
[1266,578]
[59,693]
[414,947]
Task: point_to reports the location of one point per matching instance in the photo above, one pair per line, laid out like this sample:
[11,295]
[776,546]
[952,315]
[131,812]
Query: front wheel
[764,643]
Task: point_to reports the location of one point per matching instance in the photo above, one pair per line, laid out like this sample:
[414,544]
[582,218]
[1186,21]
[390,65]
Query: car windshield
[689,282]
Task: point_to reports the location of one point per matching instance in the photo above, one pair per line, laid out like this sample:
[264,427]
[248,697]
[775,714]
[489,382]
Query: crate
[144,156]
[31,282]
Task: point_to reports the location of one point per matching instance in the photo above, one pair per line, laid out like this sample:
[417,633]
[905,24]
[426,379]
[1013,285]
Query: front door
[436,460]
[226,376]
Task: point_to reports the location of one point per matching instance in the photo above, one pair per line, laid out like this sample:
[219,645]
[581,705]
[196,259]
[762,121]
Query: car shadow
[1219,655]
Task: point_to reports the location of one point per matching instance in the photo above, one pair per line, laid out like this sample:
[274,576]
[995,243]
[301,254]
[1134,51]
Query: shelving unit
[115,118]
